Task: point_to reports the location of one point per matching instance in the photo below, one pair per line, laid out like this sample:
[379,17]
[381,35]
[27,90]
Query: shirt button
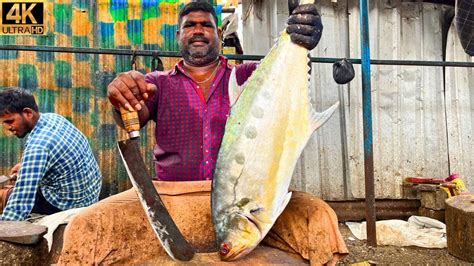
[207,162]
[205,135]
[205,110]
[207,150]
[207,178]
[198,87]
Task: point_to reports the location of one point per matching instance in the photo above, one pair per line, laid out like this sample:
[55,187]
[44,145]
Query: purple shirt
[189,129]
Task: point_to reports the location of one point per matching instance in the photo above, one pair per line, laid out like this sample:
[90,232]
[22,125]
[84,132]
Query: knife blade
[163,225]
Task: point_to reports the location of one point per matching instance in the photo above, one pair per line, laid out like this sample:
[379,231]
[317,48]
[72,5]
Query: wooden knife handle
[131,122]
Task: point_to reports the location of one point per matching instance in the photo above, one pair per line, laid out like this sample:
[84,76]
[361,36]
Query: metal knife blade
[168,233]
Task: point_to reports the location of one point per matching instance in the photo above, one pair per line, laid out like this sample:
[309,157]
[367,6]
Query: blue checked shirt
[59,161]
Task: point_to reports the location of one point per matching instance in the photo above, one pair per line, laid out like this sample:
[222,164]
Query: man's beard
[25,128]
[199,58]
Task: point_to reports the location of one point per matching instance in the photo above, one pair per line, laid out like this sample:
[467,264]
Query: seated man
[58,169]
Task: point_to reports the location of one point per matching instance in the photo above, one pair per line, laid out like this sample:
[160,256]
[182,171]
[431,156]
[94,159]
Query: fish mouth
[229,252]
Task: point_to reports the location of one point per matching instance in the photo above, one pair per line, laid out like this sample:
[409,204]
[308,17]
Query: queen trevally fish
[270,122]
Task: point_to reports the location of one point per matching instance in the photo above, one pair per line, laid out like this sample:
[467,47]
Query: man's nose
[198,28]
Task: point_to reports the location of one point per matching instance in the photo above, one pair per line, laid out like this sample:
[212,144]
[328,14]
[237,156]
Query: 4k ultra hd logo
[22,17]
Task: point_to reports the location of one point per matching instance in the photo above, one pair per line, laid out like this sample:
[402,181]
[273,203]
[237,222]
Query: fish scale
[270,122]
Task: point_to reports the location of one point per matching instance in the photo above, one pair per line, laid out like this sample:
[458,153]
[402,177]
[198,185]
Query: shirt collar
[178,67]
[39,124]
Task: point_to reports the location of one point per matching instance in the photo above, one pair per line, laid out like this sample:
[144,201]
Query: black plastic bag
[342,71]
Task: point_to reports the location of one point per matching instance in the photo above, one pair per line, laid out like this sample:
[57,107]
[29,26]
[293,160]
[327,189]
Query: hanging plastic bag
[343,71]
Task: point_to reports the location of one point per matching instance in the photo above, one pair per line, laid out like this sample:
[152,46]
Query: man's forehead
[8,116]
[198,16]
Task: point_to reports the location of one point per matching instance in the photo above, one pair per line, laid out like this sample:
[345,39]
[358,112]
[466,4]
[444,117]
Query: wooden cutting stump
[260,256]
[21,254]
[22,243]
[460,226]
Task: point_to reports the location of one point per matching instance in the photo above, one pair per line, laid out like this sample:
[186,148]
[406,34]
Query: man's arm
[22,199]
[15,169]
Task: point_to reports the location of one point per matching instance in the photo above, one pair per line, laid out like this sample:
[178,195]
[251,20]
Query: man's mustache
[198,39]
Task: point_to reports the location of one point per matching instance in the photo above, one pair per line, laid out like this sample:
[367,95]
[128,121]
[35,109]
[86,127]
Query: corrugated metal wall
[417,131]
[74,85]
[460,110]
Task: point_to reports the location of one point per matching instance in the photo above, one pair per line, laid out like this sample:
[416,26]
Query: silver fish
[270,122]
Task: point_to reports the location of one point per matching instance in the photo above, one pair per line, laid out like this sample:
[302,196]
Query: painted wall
[74,85]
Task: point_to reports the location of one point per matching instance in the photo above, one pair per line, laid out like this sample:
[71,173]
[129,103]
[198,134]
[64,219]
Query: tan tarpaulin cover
[116,230]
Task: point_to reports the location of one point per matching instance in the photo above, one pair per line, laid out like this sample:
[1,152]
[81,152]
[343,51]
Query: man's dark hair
[197,6]
[14,100]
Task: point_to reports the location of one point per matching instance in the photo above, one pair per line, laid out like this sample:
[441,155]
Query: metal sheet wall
[460,111]
[409,120]
[74,85]
[409,105]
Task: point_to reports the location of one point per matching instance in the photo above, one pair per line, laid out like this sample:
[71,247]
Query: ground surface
[359,253]
[384,255]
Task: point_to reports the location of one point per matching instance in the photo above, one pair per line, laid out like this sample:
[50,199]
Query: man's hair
[14,100]
[196,6]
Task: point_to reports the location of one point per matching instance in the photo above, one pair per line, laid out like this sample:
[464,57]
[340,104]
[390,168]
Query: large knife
[163,225]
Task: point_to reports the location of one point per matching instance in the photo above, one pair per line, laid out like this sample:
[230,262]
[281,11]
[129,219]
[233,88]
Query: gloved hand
[304,26]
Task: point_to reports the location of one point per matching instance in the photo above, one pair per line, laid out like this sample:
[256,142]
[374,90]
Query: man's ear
[221,38]
[28,112]
[177,34]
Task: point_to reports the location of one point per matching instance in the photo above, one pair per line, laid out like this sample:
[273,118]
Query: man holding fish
[191,104]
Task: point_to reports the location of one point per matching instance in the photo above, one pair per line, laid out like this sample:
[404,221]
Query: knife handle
[130,122]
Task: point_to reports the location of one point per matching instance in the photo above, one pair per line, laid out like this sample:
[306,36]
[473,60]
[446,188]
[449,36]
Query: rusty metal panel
[74,85]
[459,111]
[386,209]
[409,121]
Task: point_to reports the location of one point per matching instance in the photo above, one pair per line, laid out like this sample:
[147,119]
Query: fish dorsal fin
[318,119]
[284,203]
[234,89]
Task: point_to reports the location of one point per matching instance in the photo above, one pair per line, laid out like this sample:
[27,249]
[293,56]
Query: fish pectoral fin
[318,119]
[284,203]
[234,89]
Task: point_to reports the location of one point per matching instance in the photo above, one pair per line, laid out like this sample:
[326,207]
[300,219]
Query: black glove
[304,26]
